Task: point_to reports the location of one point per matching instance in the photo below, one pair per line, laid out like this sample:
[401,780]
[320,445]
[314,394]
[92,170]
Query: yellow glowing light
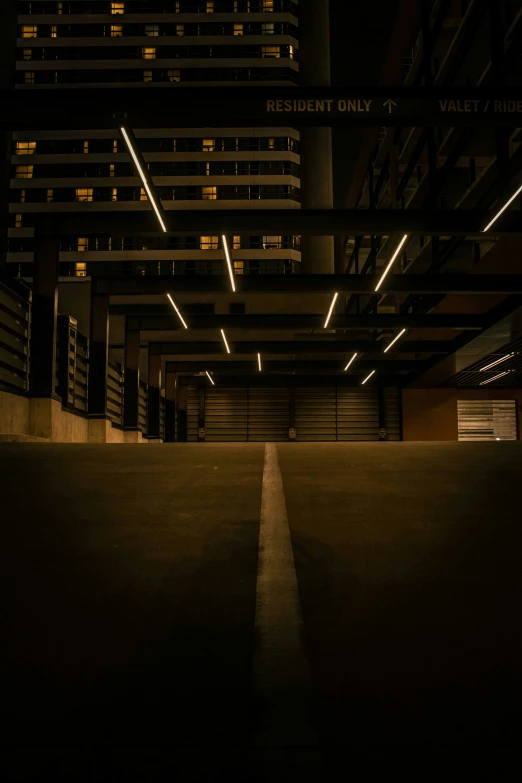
[394,340]
[354,357]
[177,311]
[390,264]
[210,378]
[225,340]
[506,205]
[498,361]
[259,362]
[368,377]
[229,263]
[334,300]
[495,377]
[143,178]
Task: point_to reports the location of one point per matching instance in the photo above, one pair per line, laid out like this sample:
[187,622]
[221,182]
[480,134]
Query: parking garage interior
[281,243]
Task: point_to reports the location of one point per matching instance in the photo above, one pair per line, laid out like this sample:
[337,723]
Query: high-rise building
[75,44]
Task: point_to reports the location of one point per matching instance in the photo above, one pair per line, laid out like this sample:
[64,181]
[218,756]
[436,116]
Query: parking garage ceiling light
[259,362]
[496,377]
[143,178]
[229,263]
[354,357]
[223,335]
[390,263]
[498,361]
[209,377]
[506,205]
[368,377]
[173,303]
[334,300]
[394,340]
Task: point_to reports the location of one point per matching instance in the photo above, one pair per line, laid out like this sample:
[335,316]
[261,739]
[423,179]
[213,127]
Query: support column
[131,378]
[153,399]
[182,410]
[44,317]
[201,415]
[317,253]
[170,407]
[98,355]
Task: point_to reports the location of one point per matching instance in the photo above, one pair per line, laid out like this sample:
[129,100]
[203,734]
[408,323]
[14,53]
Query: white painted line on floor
[281,671]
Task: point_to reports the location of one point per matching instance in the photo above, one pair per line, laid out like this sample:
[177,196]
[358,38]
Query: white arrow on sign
[389,103]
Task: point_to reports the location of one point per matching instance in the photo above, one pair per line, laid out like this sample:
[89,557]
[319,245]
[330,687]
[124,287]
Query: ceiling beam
[278,222]
[372,349]
[312,322]
[298,367]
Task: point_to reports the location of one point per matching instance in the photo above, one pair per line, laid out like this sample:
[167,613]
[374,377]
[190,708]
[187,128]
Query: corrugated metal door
[487,419]
[226,414]
[315,414]
[392,415]
[192,413]
[268,414]
[357,414]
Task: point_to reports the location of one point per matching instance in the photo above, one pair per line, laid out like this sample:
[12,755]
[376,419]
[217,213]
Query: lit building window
[174,76]
[116,30]
[271,144]
[25,147]
[238,29]
[174,145]
[59,8]
[83,244]
[210,6]
[115,145]
[54,31]
[239,267]
[18,221]
[271,243]
[147,76]
[80,269]
[209,145]
[271,51]
[209,193]
[84,194]
[115,194]
[180,29]
[207,168]
[29,31]
[236,244]
[22,197]
[117,8]
[209,243]
[268,28]
[143,195]
[291,52]
[24,172]
[152,29]
[50,195]
[111,169]
[148,52]
[86,146]
[28,54]
[268,5]
[29,77]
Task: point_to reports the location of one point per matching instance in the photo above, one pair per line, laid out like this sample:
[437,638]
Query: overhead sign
[186,105]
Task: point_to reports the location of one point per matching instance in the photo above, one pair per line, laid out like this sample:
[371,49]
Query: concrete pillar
[170,407]
[98,355]
[317,253]
[182,410]
[153,399]
[131,378]
[44,317]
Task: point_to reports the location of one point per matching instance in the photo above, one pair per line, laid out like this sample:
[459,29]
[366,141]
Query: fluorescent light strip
[229,263]
[499,361]
[495,377]
[354,357]
[368,377]
[143,178]
[177,311]
[259,362]
[506,205]
[394,340]
[334,300]
[390,264]
[209,377]
[225,341]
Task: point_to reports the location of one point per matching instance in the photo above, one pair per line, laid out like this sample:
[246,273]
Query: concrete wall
[431,414]
[14,414]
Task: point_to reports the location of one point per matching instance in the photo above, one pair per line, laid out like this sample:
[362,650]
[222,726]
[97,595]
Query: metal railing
[142,407]
[72,364]
[115,392]
[15,322]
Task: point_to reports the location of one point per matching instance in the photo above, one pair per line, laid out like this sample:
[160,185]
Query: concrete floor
[130,597]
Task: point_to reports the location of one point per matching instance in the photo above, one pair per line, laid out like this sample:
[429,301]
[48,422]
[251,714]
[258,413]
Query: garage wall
[431,414]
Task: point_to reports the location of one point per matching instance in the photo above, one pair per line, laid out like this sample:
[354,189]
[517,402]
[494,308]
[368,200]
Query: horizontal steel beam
[302,222]
[303,284]
[312,322]
[322,347]
[297,367]
[181,105]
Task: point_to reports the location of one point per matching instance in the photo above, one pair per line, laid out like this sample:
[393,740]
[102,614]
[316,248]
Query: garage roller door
[357,414]
[226,414]
[192,413]
[487,419]
[315,414]
[268,414]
